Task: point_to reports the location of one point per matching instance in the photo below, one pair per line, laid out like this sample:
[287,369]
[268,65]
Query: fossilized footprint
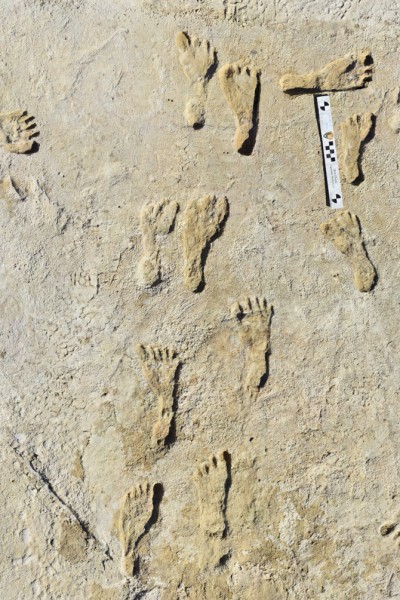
[240,87]
[254,321]
[391,528]
[11,195]
[136,511]
[344,231]
[394,119]
[204,219]
[159,368]
[354,131]
[17,131]
[156,221]
[212,479]
[197,58]
[9,190]
[347,73]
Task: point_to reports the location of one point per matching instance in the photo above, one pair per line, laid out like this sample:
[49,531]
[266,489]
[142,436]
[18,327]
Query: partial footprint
[11,196]
[204,219]
[348,73]
[197,58]
[344,231]
[212,480]
[99,593]
[240,85]
[160,369]
[391,528]
[254,322]
[135,518]
[156,221]
[9,190]
[354,131]
[17,131]
[394,119]
[72,542]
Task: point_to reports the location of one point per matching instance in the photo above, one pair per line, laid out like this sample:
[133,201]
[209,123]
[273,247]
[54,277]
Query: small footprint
[204,220]
[135,518]
[197,58]
[72,542]
[17,132]
[240,85]
[348,73]
[344,231]
[394,119]
[11,195]
[156,221]
[355,130]
[392,529]
[160,367]
[253,317]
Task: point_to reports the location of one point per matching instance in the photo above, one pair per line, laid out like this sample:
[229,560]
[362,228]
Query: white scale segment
[325,122]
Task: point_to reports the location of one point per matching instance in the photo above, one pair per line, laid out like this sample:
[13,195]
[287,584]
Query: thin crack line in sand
[28,462]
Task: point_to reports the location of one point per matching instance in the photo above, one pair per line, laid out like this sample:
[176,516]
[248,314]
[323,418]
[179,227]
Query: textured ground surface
[137,472]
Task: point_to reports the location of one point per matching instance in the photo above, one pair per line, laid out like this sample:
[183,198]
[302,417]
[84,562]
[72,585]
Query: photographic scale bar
[332,177]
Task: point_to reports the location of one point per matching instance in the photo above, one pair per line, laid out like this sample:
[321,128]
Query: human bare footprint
[348,73]
[344,231]
[197,58]
[394,118]
[204,219]
[156,221]
[159,368]
[11,195]
[240,87]
[355,130]
[391,528]
[17,131]
[136,511]
[254,321]
[211,482]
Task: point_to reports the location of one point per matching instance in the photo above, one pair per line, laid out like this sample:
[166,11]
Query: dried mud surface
[199,389]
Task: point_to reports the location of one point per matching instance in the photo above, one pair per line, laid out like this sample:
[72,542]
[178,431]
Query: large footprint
[156,221]
[197,58]
[344,231]
[348,73]
[239,85]
[203,222]
[17,131]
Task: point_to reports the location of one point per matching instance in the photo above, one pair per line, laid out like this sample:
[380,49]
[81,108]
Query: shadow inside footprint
[228,483]
[370,136]
[212,70]
[34,149]
[158,493]
[264,378]
[171,437]
[249,144]
[206,249]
